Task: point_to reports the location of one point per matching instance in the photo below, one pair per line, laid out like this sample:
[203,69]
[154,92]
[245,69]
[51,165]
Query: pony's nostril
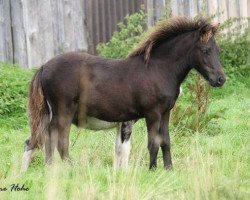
[220,80]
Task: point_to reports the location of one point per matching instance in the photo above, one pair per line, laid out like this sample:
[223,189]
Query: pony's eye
[205,51]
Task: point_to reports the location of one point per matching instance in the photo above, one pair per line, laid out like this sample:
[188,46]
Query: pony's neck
[175,56]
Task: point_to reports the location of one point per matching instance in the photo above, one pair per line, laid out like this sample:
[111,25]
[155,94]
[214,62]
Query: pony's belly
[97,124]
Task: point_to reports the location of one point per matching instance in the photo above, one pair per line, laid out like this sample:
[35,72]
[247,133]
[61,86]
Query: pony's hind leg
[65,117]
[118,140]
[51,140]
[27,156]
[122,145]
[64,124]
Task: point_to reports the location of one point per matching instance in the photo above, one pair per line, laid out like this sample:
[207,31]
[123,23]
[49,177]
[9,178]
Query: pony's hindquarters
[38,118]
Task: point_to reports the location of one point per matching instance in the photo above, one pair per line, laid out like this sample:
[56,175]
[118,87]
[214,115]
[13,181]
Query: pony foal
[144,85]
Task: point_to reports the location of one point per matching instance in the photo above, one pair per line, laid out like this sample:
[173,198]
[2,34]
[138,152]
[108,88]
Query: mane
[167,29]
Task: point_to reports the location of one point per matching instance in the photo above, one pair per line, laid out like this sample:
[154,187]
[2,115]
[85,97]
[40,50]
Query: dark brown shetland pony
[74,86]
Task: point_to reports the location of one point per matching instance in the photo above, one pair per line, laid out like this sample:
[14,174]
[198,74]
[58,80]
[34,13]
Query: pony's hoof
[153,168]
[69,161]
[169,167]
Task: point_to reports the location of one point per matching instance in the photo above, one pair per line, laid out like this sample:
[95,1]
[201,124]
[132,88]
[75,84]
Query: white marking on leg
[122,151]
[125,152]
[27,155]
[118,142]
[50,112]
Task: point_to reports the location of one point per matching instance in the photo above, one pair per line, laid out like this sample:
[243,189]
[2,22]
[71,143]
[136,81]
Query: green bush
[235,51]
[122,41]
[14,83]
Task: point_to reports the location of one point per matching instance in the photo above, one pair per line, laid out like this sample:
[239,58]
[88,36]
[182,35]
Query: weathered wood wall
[102,18]
[33,31]
[223,8]
[6,51]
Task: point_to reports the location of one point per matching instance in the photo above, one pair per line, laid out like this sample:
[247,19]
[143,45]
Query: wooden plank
[126,7]
[150,11]
[248,8]
[118,11]
[80,41]
[213,9]
[232,8]
[6,50]
[168,8]
[38,28]
[114,15]
[159,9]
[132,6]
[186,7]
[108,19]
[174,5]
[243,8]
[193,8]
[90,25]
[18,34]
[100,13]
[58,26]
[179,7]
[200,7]
[222,9]
[96,28]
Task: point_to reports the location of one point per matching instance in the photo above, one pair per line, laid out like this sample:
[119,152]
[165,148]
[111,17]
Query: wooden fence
[33,31]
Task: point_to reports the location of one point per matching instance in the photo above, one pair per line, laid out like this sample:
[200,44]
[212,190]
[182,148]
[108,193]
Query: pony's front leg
[165,144]
[154,139]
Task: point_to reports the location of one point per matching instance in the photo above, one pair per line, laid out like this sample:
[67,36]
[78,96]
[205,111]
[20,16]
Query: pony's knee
[165,144]
[165,140]
[154,142]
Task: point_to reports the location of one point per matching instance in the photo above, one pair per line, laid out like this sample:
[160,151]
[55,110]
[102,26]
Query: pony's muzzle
[217,80]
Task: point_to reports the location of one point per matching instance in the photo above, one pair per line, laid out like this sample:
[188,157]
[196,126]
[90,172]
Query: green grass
[211,164]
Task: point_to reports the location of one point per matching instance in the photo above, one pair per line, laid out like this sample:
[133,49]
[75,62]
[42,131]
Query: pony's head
[205,55]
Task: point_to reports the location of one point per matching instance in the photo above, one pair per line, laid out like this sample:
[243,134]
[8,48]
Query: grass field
[213,163]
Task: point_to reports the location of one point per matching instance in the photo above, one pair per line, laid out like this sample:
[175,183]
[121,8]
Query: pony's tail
[38,112]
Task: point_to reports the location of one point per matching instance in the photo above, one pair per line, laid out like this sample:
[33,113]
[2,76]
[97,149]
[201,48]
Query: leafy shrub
[14,83]
[123,41]
[235,53]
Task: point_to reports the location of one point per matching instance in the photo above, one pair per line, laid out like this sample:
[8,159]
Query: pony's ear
[205,33]
[215,28]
